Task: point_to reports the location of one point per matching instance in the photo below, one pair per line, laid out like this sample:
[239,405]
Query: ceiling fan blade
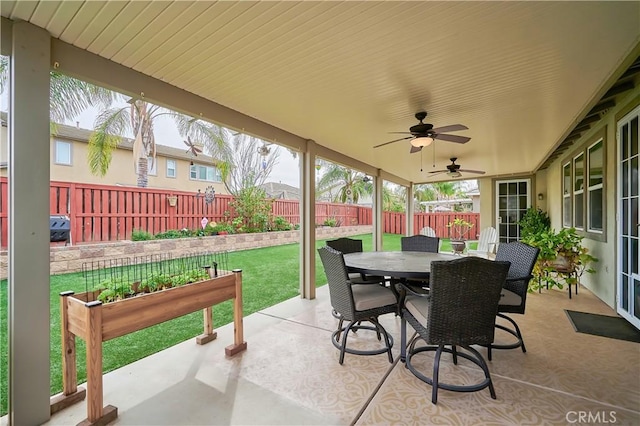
[451,128]
[478,172]
[397,140]
[453,138]
[438,172]
[415,149]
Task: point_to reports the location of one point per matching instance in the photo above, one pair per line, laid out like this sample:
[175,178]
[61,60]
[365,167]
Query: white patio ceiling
[520,75]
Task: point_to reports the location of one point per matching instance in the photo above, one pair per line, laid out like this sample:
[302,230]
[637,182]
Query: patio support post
[409,218]
[28,268]
[378,214]
[308,222]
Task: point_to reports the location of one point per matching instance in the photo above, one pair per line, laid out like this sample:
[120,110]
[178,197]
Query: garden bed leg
[239,344]
[96,414]
[209,334]
[70,392]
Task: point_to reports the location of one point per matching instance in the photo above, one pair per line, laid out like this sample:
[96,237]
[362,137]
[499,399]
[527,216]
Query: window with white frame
[578,191]
[583,189]
[63,153]
[566,195]
[595,201]
[205,173]
[152,169]
[171,168]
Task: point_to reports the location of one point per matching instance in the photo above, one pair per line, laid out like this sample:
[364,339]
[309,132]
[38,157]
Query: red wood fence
[111,213]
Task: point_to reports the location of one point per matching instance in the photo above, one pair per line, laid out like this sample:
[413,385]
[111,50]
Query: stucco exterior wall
[120,172]
[603,282]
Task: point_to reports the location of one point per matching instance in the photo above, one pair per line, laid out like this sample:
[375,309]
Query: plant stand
[96,322]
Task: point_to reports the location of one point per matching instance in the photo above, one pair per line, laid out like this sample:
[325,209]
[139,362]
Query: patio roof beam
[95,69]
[619,89]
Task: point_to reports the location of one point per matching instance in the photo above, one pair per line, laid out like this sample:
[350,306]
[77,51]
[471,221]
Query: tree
[348,185]
[246,161]
[137,119]
[68,97]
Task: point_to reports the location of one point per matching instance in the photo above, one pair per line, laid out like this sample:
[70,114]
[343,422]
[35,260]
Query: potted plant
[559,251]
[459,228]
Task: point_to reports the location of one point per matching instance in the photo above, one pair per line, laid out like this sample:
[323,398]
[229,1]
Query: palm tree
[349,184]
[68,97]
[138,118]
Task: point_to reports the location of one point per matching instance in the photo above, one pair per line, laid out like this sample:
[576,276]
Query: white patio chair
[486,243]
[429,232]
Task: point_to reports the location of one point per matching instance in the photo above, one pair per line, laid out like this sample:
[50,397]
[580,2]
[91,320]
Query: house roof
[281,191]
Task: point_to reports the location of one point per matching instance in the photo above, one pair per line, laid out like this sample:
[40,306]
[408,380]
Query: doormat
[603,325]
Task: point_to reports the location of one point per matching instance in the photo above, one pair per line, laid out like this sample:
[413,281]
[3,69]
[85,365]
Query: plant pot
[173,200]
[458,246]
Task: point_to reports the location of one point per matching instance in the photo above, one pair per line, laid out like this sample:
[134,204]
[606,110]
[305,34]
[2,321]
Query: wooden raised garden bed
[97,322]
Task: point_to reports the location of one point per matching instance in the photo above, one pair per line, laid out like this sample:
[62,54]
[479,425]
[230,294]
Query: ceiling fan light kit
[421,141]
[424,134]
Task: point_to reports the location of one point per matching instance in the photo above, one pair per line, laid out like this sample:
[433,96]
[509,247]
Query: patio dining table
[396,264]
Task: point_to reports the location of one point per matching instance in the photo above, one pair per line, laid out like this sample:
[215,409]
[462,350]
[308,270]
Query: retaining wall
[65,259]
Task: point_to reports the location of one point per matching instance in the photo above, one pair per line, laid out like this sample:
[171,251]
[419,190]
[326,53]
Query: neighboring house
[462,204]
[474,194]
[173,168]
[281,191]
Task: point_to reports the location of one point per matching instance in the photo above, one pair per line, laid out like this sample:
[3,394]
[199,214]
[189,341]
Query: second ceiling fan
[454,170]
[423,134]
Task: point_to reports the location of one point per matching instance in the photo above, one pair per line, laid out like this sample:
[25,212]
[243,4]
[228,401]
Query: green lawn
[269,276]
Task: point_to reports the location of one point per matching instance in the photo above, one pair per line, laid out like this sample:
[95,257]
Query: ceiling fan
[454,170]
[423,134]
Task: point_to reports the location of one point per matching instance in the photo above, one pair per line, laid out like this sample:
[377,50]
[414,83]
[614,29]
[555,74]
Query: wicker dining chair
[356,303]
[513,299]
[350,245]
[420,243]
[459,311]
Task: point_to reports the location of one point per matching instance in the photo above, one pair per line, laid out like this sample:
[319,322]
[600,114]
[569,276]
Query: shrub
[140,235]
[172,233]
[331,221]
[281,224]
[253,210]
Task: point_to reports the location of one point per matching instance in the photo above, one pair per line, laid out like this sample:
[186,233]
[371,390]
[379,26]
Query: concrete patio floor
[290,376]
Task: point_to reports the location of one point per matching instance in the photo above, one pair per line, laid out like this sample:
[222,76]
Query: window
[152,169]
[206,173]
[595,201]
[578,191]
[566,195]
[152,165]
[171,168]
[63,153]
[583,189]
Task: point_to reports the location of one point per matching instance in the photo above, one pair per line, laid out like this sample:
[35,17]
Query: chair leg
[343,347]
[454,352]
[485,369]
[436,369]
[489,351]
[403,340]
[515,332]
